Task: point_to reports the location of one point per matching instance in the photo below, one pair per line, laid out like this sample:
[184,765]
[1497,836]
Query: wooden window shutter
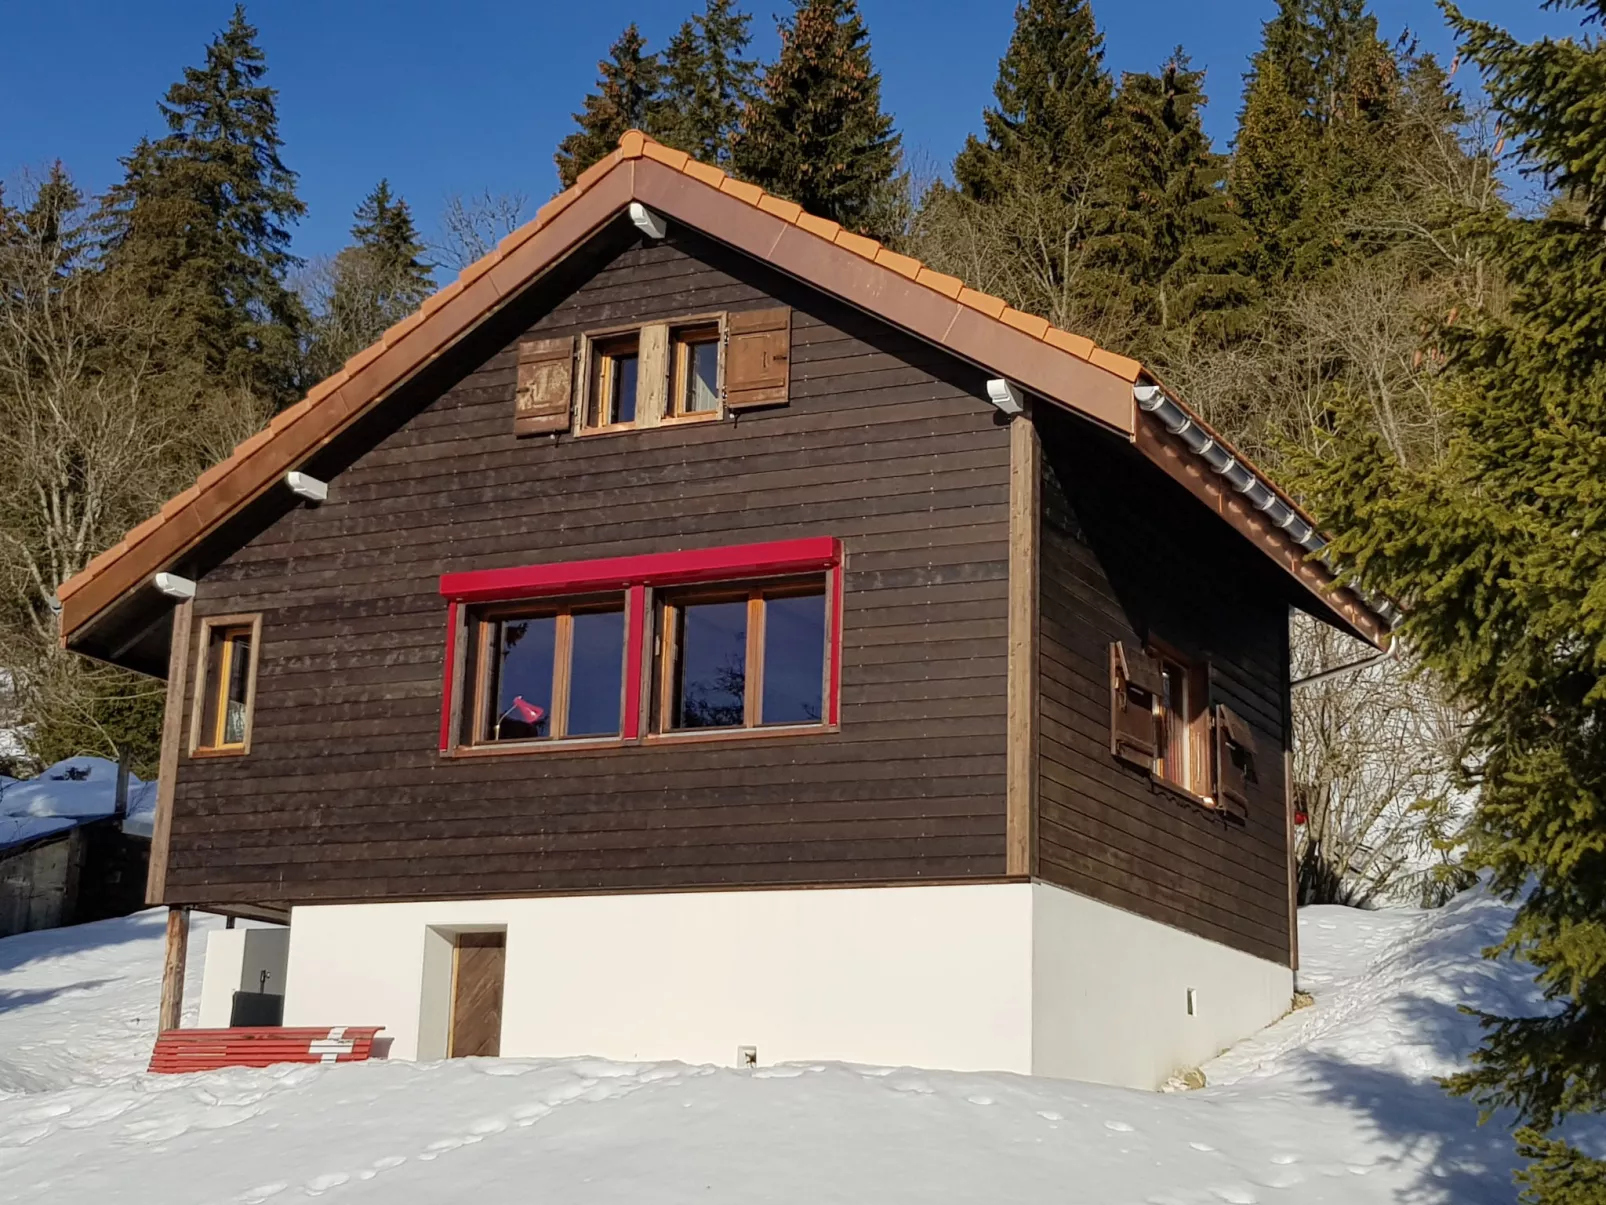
[1134,684]
[758,358]
[542,403]
[1235,761]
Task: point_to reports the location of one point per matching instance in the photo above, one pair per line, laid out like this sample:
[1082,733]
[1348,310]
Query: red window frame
[634,576]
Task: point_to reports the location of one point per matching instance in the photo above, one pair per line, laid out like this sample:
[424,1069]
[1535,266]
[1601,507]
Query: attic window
[695,371]
[615,382]
[688,369]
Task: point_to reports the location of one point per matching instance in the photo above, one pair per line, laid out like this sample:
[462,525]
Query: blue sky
[474,94]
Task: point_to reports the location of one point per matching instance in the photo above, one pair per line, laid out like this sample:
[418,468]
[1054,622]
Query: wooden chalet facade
[689,556]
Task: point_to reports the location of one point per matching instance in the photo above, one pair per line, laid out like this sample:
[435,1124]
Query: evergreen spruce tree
[1499,553]
[1315,136]
[627,97]
[707,84]
[201,219]
[374,283]
[815,133]
[1183,248]
[1055,108]
[1271,169]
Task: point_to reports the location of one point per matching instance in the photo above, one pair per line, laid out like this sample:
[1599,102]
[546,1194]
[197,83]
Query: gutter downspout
[1387,654]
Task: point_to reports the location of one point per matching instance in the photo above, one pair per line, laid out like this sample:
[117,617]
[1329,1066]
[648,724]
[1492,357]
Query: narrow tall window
[227,675]
[552,674]
[614,364]
[695,383]
[743,657]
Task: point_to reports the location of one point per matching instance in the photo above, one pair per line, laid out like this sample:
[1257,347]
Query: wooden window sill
[231,751]
[1203,802]
[512,748]
[693,737]
[689,420]
[696,736]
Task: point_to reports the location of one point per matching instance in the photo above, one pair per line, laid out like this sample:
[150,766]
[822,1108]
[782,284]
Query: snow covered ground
[1334,1104]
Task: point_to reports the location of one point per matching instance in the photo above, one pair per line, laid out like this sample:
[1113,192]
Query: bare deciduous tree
[471,226]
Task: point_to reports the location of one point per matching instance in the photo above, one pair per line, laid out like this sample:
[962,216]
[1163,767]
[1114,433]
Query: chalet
[703,633]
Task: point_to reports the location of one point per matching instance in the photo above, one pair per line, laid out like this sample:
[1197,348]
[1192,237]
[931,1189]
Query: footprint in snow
[488,1125]
[1120,1127]
[980,1100]
[1285,1157]
[1047,1115]
[1235,1194]
[388,1162]
[255,1196]
[1202,1146]
[322,1184]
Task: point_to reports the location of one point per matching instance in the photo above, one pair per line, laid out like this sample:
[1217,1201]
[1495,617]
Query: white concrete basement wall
[935,976]
[1111,993]
[1002,977]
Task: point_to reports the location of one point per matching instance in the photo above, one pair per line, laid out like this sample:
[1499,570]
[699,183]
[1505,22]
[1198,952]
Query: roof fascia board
[1332,600]
[890,296]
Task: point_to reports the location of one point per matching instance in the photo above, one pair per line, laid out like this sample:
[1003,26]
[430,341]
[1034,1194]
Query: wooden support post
[1020,825]
[178,942]
[178,660]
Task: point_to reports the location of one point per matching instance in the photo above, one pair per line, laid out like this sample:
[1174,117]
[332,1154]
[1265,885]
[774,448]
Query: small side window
[226,685]
[1184,748]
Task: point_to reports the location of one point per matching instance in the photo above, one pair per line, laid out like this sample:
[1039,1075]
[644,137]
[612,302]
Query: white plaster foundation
[1007,977]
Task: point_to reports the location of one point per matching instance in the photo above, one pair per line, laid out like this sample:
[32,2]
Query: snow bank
[69,792]
[1334,1104]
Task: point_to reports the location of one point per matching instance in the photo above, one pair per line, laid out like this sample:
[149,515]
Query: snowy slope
[1334,1104]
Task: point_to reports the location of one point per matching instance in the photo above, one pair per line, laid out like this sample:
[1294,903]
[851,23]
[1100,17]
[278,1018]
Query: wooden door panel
[480,962]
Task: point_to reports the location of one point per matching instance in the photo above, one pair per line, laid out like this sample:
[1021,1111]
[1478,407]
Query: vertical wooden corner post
[178,919]
[1025,473]
[178,941]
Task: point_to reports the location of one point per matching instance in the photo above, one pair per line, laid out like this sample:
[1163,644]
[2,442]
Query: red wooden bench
[179,1050]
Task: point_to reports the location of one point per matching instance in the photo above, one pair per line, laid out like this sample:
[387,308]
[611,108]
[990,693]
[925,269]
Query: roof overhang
[115,593]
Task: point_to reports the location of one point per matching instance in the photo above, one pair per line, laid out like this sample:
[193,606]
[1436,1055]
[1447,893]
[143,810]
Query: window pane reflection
[794,659]
[711,677]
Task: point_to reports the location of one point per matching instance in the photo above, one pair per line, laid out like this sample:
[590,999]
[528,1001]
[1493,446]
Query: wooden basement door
[478,965]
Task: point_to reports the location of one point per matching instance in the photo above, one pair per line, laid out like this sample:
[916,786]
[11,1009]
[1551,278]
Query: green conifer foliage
[627,97]
[816,133]
[372,284]
[1183,247]
[1499,552]
[1055,107]
[201,219]
[707,84]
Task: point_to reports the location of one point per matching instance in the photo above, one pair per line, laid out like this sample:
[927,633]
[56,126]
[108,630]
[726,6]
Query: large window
[743,658]
[658,647]
[225,685]
[548,674]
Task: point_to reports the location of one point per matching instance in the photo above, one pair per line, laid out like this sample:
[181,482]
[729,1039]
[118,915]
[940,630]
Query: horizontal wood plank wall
[885,444]
[1125,557]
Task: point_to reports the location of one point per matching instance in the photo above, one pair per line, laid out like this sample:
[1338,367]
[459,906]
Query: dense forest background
[1346,289]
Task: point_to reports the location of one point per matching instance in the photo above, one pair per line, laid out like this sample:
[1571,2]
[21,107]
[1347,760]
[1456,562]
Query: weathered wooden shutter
[1134,684]
[543,402]
[1235,761]
[758,358]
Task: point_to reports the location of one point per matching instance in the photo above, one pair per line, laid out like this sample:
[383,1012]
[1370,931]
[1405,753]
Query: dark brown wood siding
[887,444]
[1127,555]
